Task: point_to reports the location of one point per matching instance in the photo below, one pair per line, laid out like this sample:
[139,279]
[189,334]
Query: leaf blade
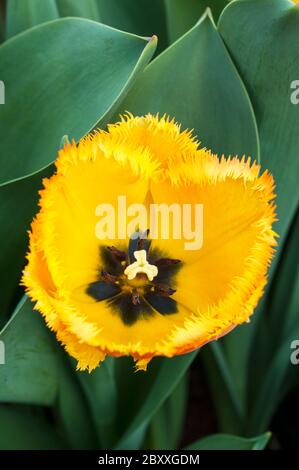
[183,14]
[19,198]
[56,99]
[154,387]
[29,374]
[206,83]
[229,442]
[28,13]
[87,9]
[269,28]
[26,430]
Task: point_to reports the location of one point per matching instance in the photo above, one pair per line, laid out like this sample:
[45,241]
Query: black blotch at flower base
[145,299]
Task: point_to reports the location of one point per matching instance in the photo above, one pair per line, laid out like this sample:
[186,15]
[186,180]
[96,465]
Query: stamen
[135,297]
[167,261]
[141,266]
[109,277]
[163,289]
[141,240]
[120,255]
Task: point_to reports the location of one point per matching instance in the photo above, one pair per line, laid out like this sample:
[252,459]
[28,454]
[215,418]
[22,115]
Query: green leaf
[183,14]
[228,442]
[86,9]
[166,425]
[102,395]
[22,15]
[82,69]
[142,17]
[150,390]
[229,407]
[73,410]
[271,370]
[18,203]
[22,429]
[227,363]
[271,392]
[29,374]
[269,28]
[283,291]
[2,22]
[195,81]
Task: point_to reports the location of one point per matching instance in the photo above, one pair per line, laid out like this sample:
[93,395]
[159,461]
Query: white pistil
[141,265]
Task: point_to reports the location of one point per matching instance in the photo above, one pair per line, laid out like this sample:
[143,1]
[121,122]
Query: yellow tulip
[137,295]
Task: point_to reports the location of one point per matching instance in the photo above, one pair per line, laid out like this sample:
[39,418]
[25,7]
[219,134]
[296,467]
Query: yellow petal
[221,282]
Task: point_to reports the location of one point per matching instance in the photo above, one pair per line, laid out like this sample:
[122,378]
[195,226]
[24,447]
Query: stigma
[141,265]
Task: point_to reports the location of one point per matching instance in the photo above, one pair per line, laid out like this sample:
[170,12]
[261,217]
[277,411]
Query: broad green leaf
[269,28]
[271,370]
[195,81]
[18,203]
[183,14]
[2,22]
[142,17]
[272,390]
[84,9]
[227,363]
[228,442]
[25,429]
[29,374]
[284,287]
[166,426]
[102,395]
[81,68]
[23,14]
[281,297]
[229,407]
[150,390]
[73,411]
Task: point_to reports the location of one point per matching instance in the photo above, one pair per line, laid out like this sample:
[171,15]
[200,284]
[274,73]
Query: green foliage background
[226,73]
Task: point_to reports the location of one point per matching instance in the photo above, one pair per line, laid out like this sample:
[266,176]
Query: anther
[164,290]
[144,236]
[109,277]
[167,261]
[135,297]
[120,255]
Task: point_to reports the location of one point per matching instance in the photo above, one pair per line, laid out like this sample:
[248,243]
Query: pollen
[141,265]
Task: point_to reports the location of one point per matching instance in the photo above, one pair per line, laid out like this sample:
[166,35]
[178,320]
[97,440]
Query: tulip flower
[141,293]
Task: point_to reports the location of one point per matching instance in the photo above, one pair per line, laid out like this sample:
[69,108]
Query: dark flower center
[139,297]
